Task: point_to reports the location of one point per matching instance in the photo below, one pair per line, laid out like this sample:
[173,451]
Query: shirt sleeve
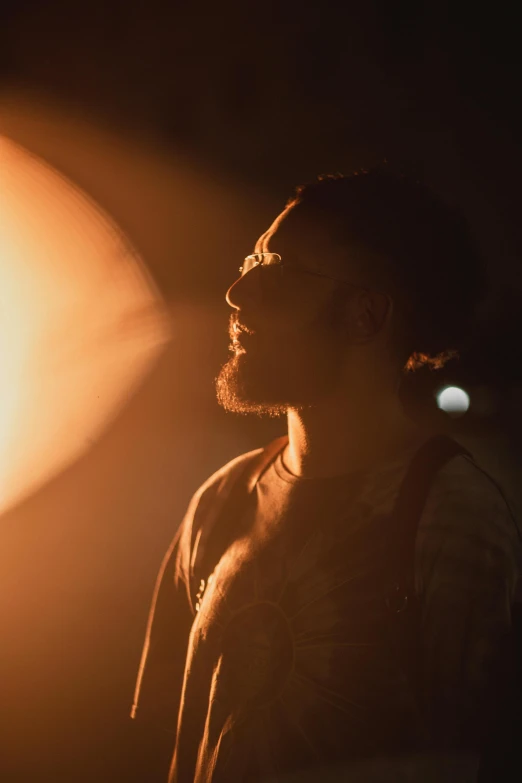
[467,567]
[160,675]
[160,678]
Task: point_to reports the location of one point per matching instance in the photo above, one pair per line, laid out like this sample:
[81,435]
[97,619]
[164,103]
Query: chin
[239,390]
[264,391]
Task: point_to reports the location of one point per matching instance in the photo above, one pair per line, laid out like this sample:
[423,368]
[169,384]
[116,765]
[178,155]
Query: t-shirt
[283,662]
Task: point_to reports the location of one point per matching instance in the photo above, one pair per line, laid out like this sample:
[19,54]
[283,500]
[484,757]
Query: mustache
[236,327]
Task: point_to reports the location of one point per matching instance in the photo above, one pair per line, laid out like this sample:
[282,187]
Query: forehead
[298,239]
[289,231]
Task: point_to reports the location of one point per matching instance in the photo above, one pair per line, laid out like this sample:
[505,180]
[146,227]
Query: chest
[293,624]
[329,581]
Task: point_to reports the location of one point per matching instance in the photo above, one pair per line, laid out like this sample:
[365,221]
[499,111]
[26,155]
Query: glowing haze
[80,322]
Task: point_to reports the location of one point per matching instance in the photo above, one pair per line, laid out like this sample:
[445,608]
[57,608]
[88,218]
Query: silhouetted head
[371,275]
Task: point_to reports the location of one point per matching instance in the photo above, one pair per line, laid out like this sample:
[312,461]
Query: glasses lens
[248,264]
[256,259]
[271,258]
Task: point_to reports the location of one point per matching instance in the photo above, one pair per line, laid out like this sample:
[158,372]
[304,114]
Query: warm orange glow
[80,322]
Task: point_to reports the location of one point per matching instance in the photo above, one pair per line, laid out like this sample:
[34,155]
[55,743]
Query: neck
[347,433]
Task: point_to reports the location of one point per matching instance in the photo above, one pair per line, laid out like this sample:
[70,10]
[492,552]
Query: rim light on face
[260,259]
[274,259]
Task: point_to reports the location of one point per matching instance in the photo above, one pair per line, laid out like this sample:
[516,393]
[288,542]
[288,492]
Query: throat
[343,447]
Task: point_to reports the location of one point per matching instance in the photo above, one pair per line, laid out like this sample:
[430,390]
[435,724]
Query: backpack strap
[219,529]
[409,505]
[402,616]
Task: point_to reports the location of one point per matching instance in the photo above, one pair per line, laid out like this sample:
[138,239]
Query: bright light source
[81,324]
[453,400]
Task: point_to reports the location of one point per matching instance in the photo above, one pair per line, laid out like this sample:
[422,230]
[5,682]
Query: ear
[367,314]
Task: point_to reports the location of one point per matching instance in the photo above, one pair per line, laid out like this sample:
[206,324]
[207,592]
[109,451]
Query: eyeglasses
[274,259]
[258,259]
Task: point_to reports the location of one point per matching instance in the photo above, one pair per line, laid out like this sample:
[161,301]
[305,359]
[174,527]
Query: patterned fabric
[284,661]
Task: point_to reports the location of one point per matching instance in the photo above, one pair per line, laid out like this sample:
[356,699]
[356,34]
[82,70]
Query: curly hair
[420,250]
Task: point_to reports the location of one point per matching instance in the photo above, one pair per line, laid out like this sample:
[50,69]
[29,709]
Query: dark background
[252,98]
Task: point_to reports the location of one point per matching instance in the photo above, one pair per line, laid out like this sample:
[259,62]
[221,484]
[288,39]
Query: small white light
[454,400]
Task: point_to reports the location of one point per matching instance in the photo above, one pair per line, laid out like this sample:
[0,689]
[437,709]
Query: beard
[240,388]
[271,373]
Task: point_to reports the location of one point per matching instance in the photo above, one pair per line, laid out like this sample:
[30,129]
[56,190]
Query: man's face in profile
[287,347]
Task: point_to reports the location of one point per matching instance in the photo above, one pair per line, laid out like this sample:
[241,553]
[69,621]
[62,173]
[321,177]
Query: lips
[239,335]
[239,328]
[238,332]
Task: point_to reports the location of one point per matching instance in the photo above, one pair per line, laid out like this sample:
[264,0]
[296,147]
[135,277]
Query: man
[280,667]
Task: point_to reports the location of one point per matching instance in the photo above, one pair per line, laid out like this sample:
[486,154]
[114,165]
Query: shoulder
[223,479]
[465,498]
[467,525]
[207,498]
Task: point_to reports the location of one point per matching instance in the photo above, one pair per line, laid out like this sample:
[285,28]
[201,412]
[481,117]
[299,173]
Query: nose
[243,291]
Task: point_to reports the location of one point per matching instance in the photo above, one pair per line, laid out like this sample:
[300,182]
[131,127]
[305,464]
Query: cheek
[301,310]
[311,345]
